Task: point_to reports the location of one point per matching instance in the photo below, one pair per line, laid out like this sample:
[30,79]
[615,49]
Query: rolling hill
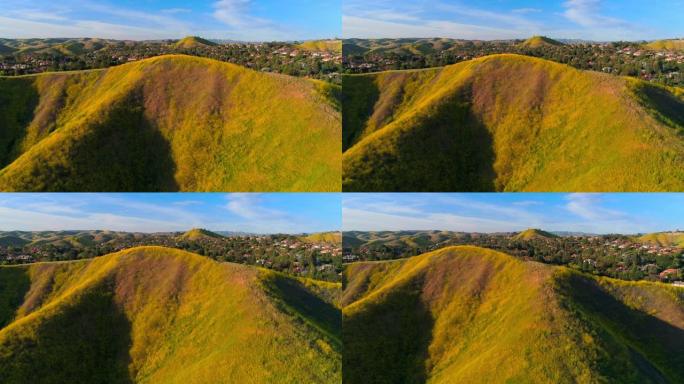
[669,45]
[532,233]
[334,46]
[323,237]
[169,123]
[510,123]
[663,239]
[199,233]
[193,42]
[471,315]
[156,315]
[540,41]
[394,239]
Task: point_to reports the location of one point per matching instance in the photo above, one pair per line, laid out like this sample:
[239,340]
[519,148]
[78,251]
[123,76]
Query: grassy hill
[156,315]
[193,42]
[199,233]
[334,46]
[540,41]
[323,237]
[397,239]
[168,123]
[533,233]
[663,239]
[670,45]
[510,123]
[402,46]
[471,315]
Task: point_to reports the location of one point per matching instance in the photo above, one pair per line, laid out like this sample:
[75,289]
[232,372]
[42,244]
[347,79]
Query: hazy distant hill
[157,315]
[510,123]
[168,123]
[472,315]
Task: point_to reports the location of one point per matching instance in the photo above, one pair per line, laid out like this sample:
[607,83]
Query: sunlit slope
[323,237]
[334,46]
[671,45]
[168,123]
[157,315]
[198,234]
[193,42]
[533,233]
[540,41]
[472,315]
[510,123]
[663,239]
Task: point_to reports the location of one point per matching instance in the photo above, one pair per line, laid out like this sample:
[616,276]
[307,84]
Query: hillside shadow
[310,307]
[123,153]
[359,95]
[387,342]
[663,105]
[14,284]
[18,102]
[655,348]
[87,341]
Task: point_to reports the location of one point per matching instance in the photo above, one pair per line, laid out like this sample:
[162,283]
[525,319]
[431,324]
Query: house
[666,273]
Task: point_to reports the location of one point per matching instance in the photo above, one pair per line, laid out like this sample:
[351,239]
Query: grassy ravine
[472,315]
[157,315]
[510,123]
[166,124]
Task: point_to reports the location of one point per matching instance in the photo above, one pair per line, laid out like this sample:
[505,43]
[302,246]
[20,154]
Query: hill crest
[194,42]
[533,234]
[540,41]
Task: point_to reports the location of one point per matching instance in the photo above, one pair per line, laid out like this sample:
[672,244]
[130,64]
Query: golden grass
[509,123]
[488,317]
[663,239]
[672,45]
[182,318]
[323,237]
[176,123]
[334,46]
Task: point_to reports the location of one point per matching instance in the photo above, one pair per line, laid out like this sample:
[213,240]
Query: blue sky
[160,212]
[601,20]
[508,212]
[247,20]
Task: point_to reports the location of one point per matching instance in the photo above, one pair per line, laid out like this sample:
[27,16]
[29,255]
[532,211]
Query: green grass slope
[166,124]
[157,315]
[670,45]
[532,233]
[510,123]
[540,41]
[472,315]
[663,239]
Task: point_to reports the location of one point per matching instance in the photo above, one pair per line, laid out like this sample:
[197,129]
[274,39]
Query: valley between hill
[158,315]
[169,123]
[471,315]
[510,123]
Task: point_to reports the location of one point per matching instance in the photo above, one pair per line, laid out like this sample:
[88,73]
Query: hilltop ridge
[533,233]
[540,41]
[168,123]
[193,42]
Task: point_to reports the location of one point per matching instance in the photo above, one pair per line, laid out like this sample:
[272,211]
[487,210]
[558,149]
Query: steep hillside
[510,123]
[540,41]
[471,315]
[324,237]
[194,42]
[663,239]
[199,233]
[670,45]
[533,233]
[166,124]
[156,315]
